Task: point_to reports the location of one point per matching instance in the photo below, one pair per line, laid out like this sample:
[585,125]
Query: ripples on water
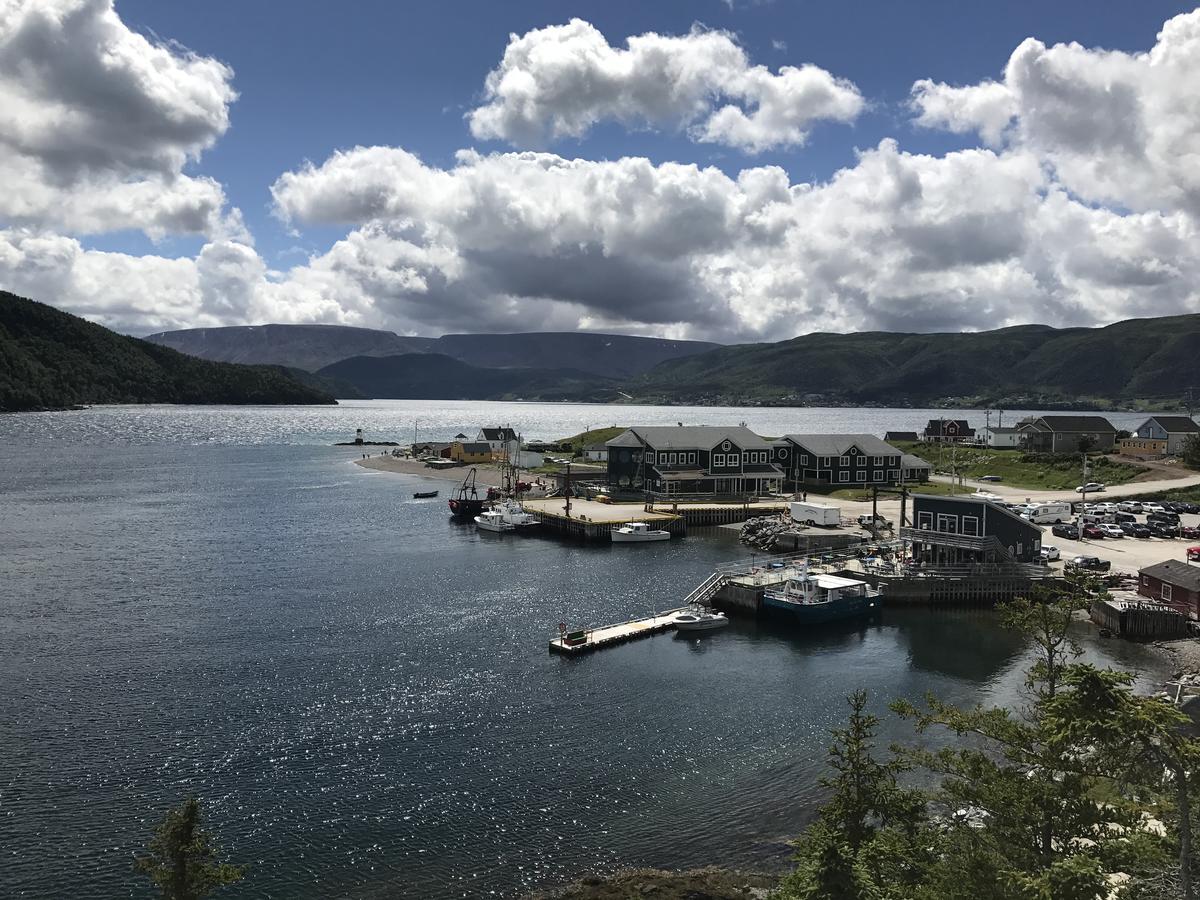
[359,689]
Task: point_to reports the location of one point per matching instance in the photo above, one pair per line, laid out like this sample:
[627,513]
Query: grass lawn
[1019,469]
[592,436]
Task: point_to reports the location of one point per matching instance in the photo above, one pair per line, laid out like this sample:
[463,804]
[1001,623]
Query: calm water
[213,601]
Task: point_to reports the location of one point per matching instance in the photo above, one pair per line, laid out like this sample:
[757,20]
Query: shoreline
[488,474]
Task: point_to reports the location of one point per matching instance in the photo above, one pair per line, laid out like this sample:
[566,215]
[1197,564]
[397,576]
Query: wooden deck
[611,635]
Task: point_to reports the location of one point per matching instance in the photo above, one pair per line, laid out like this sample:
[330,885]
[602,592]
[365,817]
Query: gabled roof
[1176,573]
[901,436]
[838,444]
[498,434]
[998,430]
[1174,424]
[475,447]
[909,461]
[689,437]
[594,448]
[1075,423]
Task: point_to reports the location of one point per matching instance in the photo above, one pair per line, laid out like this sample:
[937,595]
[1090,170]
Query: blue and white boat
[814,599]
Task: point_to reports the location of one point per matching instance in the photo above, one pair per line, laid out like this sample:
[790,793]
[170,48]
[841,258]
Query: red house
[1174,583]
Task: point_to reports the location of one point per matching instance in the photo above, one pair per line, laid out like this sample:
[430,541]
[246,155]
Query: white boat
[700,620]
[493,520]
[638,532]
[515,516]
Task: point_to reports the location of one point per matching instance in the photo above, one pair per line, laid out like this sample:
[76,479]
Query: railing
[951,539]
[707,589]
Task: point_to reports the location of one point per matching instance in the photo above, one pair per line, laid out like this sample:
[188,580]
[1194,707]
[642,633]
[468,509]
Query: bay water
[215,600]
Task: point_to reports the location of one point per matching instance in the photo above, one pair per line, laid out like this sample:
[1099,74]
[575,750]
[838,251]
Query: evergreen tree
[182,860]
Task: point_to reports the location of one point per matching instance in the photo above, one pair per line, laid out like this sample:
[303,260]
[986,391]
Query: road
[1008,492]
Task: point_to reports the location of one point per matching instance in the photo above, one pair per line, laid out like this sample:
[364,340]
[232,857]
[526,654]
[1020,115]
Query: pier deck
[611,635]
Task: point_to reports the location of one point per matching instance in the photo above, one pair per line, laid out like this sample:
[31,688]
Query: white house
[1172,429]
[1003,438]
[596,453]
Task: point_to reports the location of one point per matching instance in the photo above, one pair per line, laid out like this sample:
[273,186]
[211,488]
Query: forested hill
[50,359]
[1135,359]
[313,347]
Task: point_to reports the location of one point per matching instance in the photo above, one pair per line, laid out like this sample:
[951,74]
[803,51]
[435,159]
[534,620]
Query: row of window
[876,476]
[688,457]
[827,461]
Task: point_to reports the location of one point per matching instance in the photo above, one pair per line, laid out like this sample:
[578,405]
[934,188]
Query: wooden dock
[611,635]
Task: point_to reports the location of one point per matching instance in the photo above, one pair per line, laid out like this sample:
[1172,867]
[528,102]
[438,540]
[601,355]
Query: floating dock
[611,635]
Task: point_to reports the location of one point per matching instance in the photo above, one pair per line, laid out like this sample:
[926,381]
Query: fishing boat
[700,620]
[493,520]
[814,599]
[638,532]
[424,495]
[466,502]
[515,516]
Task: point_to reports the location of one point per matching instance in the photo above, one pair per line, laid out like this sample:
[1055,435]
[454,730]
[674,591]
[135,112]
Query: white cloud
[97,123]
[1116,128]
[561,80]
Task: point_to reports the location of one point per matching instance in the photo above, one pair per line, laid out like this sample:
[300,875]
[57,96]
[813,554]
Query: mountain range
[50,359]
[1138,359]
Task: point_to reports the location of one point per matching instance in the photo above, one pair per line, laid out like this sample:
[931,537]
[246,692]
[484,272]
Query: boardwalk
[610,635]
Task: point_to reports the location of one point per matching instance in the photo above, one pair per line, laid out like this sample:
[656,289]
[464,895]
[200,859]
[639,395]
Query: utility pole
[1082,496]
[567,490]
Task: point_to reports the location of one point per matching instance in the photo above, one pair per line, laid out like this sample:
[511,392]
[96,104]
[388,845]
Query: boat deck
[611,635]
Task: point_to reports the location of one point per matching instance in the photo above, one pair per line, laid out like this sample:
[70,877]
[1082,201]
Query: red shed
[1174,583]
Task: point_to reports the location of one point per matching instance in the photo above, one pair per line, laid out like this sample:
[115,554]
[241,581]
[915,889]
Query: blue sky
[1025,181]
[321,77]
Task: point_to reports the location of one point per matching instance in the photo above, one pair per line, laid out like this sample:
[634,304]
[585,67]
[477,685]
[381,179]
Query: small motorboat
[638,532]
[515,516]
[493,520]
[700,620]
[424,495]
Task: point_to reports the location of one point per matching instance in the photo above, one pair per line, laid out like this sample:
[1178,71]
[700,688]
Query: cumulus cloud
[1117,128]
[98,122]
[561,80]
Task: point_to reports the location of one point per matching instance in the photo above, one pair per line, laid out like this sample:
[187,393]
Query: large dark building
[950,431]
[818,460]
[968,532]
[695,459]
[1066,434]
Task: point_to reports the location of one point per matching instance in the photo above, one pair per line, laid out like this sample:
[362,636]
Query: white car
[1152,508]
[1110,530]
[1129,506]
[1092,487]
[1105,508]
[1050,554]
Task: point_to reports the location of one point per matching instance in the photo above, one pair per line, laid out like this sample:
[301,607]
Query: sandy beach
[484,474]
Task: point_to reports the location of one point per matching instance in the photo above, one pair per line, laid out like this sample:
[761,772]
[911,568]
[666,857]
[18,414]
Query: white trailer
[816,513]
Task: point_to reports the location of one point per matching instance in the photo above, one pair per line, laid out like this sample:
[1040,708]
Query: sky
[733,170]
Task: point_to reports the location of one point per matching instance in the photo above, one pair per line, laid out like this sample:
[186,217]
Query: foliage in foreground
[182,861]
[1085,793]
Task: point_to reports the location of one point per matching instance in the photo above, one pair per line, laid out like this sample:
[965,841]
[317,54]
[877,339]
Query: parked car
[1092,487]
[1188,506]
[1106,508]
[1111,530]
[1189,531]
[1050,554]
[1152,508]
[1129,506]
[990,478]
[1135,529]
[1089,564]
[1070,532]
[1093,532]
[1163,530]
[1169,517]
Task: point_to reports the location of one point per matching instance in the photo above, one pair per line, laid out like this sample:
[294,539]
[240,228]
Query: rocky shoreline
[709,883]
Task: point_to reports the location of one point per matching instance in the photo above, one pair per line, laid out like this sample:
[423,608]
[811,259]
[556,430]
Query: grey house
[1063,434]
[824,460]
[1172,429]
[699,459]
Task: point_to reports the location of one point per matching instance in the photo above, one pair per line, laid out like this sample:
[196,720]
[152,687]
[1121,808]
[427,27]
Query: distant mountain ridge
[1134,359]
[50,359]
[435,376]
[313,347]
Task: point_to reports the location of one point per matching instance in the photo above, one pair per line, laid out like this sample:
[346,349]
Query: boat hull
[465,509]
[694,624]
[626,538]
[820,613]
[490,525]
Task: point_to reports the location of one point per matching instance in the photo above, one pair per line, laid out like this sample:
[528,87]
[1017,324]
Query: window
[970,525]
[878,461]
[673,458]
[895,461]
[894,475]
[718,460]
[1145,579]
[745,456]
[948,524]
[1020,548]
[843,476]
[826,462]
[925,520]
[650,456]
[762,456]
[804,459]
[1166,592]
[782,452]
[692,458]
[877,475]
[845,460]
[860,476]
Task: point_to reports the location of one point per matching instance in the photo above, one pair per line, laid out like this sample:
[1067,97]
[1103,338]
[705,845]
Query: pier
[592,520]
[585,640]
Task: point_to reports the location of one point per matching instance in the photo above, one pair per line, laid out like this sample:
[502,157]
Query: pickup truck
[1088,564]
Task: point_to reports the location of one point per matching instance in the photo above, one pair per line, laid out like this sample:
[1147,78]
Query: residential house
[914,469]
[1172,429]
[471,452]
[823,460]
[697,459]
[1002,438]
[952,431]
[910,437]
[965,531]
[432,448]
[501,440]
[1066,434]
[596,453]
[1173,583]
[1142,448]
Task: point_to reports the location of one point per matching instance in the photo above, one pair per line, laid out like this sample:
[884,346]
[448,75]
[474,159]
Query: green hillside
[50,359]
[1137,359]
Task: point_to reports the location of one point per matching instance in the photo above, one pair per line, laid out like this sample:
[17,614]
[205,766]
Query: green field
[1020,469]
[593,436]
